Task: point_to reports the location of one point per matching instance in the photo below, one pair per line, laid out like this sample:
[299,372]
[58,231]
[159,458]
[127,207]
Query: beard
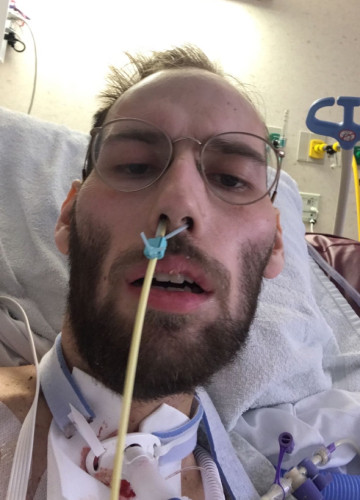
[177,353]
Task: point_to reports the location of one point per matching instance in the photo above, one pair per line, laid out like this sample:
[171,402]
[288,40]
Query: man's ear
[62,228]
[276,261]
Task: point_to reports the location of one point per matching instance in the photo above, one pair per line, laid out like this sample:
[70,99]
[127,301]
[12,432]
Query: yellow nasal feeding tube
[317,149]
[357,193]
[154,250]
[336,148]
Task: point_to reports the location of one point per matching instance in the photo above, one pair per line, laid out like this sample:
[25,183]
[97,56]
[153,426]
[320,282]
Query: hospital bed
[304,343]
[343,255]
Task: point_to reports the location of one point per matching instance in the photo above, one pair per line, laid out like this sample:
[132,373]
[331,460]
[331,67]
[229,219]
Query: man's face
[190,331]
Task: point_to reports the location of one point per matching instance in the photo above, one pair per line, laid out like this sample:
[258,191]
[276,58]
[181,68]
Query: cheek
[239,227]
[243,244]
[120,213]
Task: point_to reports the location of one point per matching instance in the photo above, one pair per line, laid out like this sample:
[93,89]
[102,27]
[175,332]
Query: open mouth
[172,282]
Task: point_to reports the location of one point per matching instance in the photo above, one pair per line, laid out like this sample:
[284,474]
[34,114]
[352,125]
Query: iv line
[131,370]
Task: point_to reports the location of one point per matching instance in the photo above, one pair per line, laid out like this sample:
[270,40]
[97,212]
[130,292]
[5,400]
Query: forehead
[188,102]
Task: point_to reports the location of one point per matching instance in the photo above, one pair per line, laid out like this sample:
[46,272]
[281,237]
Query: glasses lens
[130,154]
[235,167]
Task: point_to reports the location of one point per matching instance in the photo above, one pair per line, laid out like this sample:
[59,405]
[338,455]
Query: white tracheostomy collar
[166,437]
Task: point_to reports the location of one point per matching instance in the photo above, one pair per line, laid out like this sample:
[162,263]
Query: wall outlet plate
[311,202]
[303,148]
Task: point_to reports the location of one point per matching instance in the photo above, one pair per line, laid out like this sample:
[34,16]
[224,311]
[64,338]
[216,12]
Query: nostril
[164,218]
[174,224]
[189,221]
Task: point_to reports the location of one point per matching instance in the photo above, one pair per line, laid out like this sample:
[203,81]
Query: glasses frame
[90,163]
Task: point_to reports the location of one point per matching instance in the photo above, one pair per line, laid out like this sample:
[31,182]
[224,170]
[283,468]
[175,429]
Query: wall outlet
[311,203]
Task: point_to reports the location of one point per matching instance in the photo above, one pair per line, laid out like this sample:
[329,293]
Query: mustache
[178,245]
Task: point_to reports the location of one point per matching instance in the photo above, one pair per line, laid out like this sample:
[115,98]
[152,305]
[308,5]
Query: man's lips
[173,273]
[171,283]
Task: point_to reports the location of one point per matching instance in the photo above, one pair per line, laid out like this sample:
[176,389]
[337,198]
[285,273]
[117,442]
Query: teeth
[177,278]
[173,278]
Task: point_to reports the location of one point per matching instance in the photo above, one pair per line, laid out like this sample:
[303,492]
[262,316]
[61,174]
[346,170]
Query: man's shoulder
[17,389]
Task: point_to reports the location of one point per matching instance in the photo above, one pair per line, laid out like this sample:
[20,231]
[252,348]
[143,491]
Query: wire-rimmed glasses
[130,154]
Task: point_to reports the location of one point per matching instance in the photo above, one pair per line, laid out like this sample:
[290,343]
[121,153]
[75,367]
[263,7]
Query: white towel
[292,351]
[38,160]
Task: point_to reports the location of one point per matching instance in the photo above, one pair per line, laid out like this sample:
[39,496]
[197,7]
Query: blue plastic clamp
[155,247]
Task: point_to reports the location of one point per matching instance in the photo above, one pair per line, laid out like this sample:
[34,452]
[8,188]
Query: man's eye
[132,169]
[135,168]
[228,181]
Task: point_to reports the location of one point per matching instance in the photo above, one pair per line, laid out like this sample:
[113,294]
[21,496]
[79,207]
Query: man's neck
[139,409]
[191,481]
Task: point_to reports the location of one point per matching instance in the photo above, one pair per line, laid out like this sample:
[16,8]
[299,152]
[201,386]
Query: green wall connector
[275,139]
[357,154]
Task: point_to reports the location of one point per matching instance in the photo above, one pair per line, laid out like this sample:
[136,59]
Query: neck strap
[62,392]
[60,389]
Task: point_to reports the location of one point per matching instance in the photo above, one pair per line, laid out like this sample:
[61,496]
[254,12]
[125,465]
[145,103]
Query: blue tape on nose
[155,247]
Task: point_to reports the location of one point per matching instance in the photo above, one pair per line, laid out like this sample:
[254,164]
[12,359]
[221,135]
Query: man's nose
[181,194]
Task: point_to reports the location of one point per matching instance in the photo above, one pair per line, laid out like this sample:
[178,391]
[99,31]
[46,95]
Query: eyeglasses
[130,154]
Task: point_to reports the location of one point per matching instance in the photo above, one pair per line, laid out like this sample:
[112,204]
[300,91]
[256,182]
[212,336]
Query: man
[180,145]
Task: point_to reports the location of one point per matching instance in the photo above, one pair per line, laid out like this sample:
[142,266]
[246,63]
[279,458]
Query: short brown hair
[141,66]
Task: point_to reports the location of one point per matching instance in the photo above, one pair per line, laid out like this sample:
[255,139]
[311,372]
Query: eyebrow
[240,148]
[136,135]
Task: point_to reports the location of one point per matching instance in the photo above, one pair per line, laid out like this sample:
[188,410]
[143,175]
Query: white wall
[291,51]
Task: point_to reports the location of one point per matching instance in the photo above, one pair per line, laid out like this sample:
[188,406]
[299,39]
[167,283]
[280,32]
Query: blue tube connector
[155,247]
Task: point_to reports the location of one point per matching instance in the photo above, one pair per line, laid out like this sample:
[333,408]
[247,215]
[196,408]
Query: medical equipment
[36,166]
[283,135]
[154,249]
[279,139]
[347,133]
[131,370]
[304,482]
[317,150]
[67,458]
[15,14]
[140,459]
